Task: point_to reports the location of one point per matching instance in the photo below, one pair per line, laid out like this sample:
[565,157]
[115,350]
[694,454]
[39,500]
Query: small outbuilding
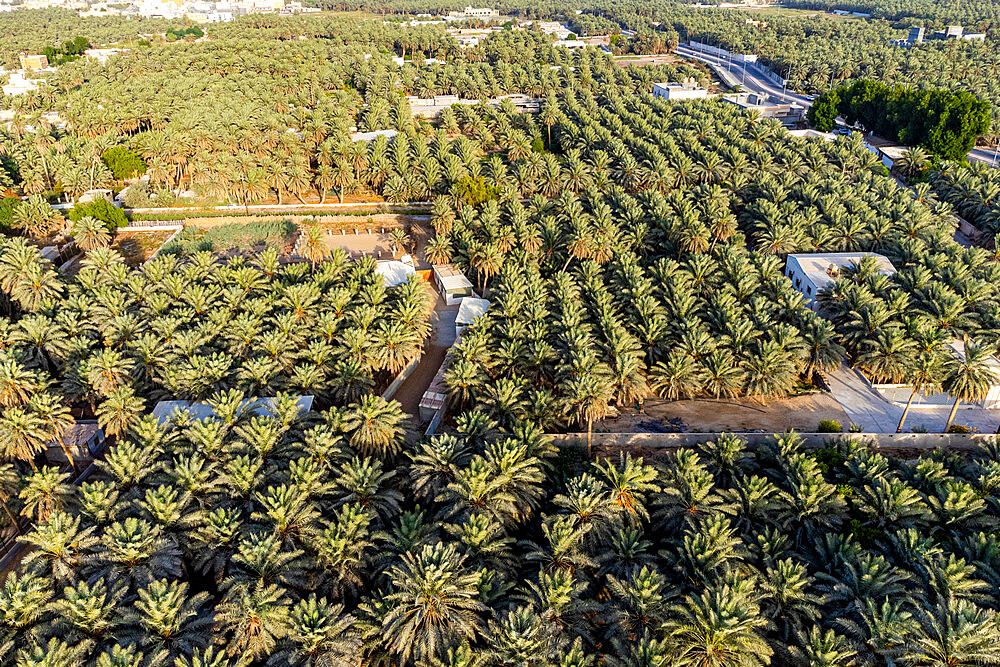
[811,272]
[470,310]
[261,407]
[452,283]
[394,272]
[84,440]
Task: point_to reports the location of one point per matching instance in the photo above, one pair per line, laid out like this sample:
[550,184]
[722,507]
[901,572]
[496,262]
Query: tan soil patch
[802,413]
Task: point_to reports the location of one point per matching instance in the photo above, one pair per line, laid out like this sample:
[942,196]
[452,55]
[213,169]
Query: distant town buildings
[474,13]
[688,90]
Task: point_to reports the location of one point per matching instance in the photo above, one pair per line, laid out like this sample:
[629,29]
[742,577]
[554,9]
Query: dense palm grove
[188,114]
[275,541]
[974,191]
[112,342]
[655,267]
[628,245]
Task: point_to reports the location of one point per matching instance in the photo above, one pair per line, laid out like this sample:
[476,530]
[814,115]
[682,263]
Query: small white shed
[470,310]
[452,283]
[394,272]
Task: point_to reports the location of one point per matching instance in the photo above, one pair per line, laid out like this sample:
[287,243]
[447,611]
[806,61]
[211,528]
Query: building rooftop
[823,268]
[80,434]
[470,310]
[394,272]
[450,277]
[261,407]
[813,134]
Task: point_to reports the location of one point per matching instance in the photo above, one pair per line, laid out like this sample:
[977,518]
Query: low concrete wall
[927,441]
[401,378]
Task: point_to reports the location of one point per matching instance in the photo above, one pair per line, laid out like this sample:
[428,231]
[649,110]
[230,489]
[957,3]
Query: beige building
[33,62]
[789,114]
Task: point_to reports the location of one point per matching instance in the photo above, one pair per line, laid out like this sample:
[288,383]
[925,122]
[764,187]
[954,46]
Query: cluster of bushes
[100,209]
[180,33]
[68,52]
[944,122]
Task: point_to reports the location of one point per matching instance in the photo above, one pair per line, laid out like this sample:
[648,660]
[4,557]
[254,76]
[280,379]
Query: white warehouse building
[811,272]
[689,90]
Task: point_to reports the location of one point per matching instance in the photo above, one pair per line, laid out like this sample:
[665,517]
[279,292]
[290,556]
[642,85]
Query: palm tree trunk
[951,415]
[13,519]
[65,449]
[902,418]
[340,196]
[590,435]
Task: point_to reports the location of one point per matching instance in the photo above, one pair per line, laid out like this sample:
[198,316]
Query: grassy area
[137,247]
[234,237]
[180,216]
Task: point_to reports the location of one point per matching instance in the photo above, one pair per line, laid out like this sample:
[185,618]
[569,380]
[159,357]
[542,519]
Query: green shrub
[7,206]
[123,163]
[829,426]
[101,209]
[538,146]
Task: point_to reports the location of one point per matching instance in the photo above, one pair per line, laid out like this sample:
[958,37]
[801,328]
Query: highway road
[987,155]
[756,84]
[750,81]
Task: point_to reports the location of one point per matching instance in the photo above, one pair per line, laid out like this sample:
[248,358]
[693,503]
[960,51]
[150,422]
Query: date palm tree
[416,630]
[969,375]
[90,233]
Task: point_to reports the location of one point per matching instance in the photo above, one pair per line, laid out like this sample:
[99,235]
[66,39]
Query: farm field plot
[802,413]
[136,247]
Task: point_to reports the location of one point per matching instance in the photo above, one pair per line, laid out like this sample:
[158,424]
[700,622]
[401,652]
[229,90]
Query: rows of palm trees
[112,342]
[974,191]
[245,119]
[618,265]
[277,540]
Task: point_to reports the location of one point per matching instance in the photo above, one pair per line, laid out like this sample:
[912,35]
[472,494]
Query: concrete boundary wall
[401,378]
[925,441]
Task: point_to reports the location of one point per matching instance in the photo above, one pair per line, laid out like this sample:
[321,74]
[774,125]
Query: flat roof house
[452,283]
[84,440]
[789,114]
[33,61]
[261,407]
[811,272]
[394,272]
[689,90]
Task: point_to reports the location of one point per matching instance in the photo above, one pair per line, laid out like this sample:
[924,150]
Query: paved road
[757,84]
[748,79]
[987,155]
[867,408]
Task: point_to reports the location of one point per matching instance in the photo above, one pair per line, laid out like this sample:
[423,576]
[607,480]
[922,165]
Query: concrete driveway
[869,409]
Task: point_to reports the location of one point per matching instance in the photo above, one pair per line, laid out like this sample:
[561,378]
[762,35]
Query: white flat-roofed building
[374,134]
[452,283]
[261,407]
[811,272]
[789,114]
[18,84]
[813,134]
[688,90]
[470,310]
